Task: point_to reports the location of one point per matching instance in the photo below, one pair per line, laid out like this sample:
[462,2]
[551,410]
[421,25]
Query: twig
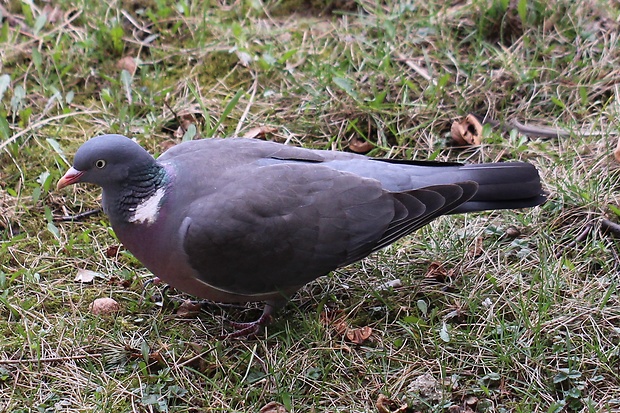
[77,217]
[49,359]
[535,130]
[196,357]
[247,107]
[579,238]
[418,69]
[176,117]
[610,227]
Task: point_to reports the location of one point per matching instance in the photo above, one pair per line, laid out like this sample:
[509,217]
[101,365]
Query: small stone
[104,306]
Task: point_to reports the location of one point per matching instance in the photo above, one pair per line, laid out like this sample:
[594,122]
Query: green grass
[522,324]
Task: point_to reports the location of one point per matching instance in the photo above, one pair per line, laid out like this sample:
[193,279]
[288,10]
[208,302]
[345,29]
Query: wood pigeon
[241,220]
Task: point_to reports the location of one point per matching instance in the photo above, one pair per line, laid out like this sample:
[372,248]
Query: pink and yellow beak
[72,176]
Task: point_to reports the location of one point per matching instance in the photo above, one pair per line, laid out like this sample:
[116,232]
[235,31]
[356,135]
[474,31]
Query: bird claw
[245,330]
[242,330]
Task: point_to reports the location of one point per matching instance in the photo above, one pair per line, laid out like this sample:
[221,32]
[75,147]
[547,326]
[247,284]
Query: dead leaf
[87,276]
[471,401]
[112,251]
[437,271]
[341,326]
[186,120]
[468,131]
[476,250]
[259,132]
[273,407]
[338,322]
[127,63]
[387,405]
[617,151]
[125,283]
[359,335]
[157,357]
[104,306]
[358,145]
[188,309]
[328,316]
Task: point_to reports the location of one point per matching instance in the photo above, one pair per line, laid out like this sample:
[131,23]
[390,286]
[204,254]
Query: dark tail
[504,185]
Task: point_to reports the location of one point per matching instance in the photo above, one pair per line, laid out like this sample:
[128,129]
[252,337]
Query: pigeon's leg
[156,297]
[252,328]
[159,299]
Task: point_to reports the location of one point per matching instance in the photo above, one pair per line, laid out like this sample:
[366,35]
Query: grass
[520,324]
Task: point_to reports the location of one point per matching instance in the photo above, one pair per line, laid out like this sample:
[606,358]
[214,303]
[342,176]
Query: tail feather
[501,185]
[509,185]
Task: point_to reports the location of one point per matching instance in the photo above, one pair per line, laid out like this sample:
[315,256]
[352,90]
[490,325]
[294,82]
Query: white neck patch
[146,212]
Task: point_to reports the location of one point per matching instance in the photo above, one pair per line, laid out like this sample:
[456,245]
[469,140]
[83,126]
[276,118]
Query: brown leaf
[188,309]
[359,335]
[341,326]
[387,405]
[329,316]
[259,132]
[119,281]
[273,407]
[476,250]
[471,401]
[617,151]
[437,271]
[157,357]
[467,132]
[338,322]
[358,145]
[112,251]
[127,63]
[104,306]
[186,120]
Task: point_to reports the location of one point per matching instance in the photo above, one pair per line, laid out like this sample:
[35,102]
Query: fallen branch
[77,217]
[610,227]
[539,131]
[579,238]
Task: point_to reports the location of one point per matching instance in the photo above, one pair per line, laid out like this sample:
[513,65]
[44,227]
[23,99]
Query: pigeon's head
[106,160]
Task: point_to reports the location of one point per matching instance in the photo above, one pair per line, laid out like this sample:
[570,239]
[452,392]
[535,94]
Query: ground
[502,311]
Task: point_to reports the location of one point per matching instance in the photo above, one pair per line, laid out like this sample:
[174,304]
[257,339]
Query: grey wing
[275,228]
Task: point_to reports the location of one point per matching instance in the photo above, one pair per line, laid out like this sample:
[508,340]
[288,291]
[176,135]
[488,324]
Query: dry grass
[521,324]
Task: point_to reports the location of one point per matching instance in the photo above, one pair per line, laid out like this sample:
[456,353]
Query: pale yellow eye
[100,164]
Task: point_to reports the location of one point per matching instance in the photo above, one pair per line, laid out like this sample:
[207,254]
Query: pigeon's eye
[100,164]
